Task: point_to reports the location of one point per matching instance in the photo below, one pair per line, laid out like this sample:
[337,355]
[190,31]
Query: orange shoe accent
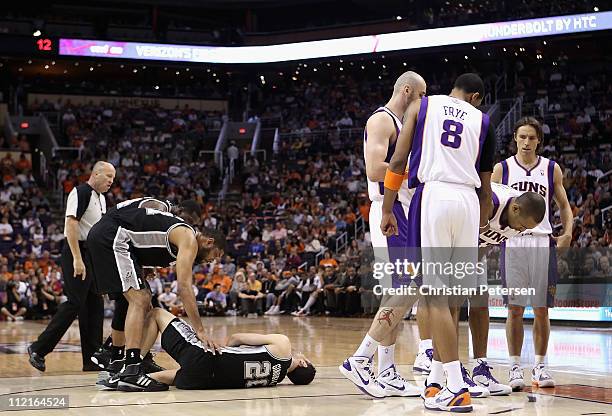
[464,399]
[431,391]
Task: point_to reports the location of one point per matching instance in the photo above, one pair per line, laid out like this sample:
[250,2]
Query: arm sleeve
[72,203]
[488,151]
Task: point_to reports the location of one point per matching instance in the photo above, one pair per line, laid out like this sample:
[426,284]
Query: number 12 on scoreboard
[44,44]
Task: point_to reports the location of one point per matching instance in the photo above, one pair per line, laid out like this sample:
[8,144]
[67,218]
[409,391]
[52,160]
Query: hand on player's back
[212,345]
[388,225]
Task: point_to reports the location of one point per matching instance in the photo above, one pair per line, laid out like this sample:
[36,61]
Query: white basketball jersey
[539,179]
[447,142]
[497,234]
[376,190]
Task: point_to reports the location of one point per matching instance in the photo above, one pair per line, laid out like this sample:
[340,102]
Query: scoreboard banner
[573,302]
[447,36]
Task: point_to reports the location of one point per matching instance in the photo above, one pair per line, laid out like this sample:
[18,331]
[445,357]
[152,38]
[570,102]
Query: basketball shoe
[483,377]
[149,365]
[395,385]
[448,401]
[431,389]
[359,371]
[141,383]
[541,377]
[474,389]
[102,357]
[132,378]
[516,380]
[422,362]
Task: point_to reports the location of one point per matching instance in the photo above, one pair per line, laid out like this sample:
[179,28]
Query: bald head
[101,165]
[102,176]
[411,79]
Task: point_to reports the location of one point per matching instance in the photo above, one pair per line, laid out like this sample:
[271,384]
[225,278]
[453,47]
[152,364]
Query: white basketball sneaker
[483,377]
[395,385]
[515,378]
[359,371]
[474,389]
[450,402]
[541,377]
[422,362]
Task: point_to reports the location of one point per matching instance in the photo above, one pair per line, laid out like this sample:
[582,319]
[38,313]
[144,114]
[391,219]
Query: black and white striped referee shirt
[87,206]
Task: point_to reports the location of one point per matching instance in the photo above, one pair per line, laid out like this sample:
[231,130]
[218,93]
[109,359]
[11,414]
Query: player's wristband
[393,180]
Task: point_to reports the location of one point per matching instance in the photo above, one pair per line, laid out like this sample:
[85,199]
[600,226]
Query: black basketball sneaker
[102,357]
[149,365]
[132,378]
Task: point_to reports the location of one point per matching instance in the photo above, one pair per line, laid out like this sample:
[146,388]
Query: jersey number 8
[451,136]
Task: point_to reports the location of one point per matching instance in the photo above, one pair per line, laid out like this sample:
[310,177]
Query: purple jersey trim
[495,205]
[484,129]
[417,143]
[527,171]
[505,172]
[551,189]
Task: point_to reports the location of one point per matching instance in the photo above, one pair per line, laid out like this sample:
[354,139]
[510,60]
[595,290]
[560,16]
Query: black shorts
[179,340]
[115,267]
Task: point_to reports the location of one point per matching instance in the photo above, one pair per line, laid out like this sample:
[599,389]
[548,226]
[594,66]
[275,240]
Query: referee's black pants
[83,301]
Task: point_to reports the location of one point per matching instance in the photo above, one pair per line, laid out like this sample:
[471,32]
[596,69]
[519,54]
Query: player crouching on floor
[248,360]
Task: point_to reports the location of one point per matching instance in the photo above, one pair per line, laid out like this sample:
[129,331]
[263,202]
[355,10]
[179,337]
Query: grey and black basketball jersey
[135,203]
[247,366]
[237,367]
[146,232]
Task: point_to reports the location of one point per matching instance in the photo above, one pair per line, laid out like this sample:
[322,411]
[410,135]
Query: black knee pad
[121,307]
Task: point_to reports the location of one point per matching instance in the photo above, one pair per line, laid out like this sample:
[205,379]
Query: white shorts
[444,222]
[529,262]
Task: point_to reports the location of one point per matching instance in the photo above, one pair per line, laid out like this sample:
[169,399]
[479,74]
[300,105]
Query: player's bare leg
[541,334]
[515,335]
[381,336]
[422,361]
[139,301]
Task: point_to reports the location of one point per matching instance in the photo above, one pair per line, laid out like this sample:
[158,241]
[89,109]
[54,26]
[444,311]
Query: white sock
[515,360]
[311,301]
[425,344]
[386,357]
[367,348]
[454,379]
[539,359]
[436,374]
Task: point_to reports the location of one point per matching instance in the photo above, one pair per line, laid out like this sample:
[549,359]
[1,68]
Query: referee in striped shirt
[84,208]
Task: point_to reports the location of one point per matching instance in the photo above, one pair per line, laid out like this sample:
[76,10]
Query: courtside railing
[341,242]
[359,225]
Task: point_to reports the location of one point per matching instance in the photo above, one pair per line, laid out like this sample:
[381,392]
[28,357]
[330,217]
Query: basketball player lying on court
[248,360]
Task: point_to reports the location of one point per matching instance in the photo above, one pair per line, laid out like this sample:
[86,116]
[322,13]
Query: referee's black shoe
[36,360]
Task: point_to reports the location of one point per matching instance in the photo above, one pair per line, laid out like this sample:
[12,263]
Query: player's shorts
[444,221]
[529,262]
[116,268]
[180,341]
[390,249]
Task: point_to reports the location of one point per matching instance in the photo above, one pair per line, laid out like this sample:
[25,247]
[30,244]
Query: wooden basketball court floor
[580,360]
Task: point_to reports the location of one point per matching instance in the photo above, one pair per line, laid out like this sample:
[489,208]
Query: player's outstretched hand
[212,345]
[388,225]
